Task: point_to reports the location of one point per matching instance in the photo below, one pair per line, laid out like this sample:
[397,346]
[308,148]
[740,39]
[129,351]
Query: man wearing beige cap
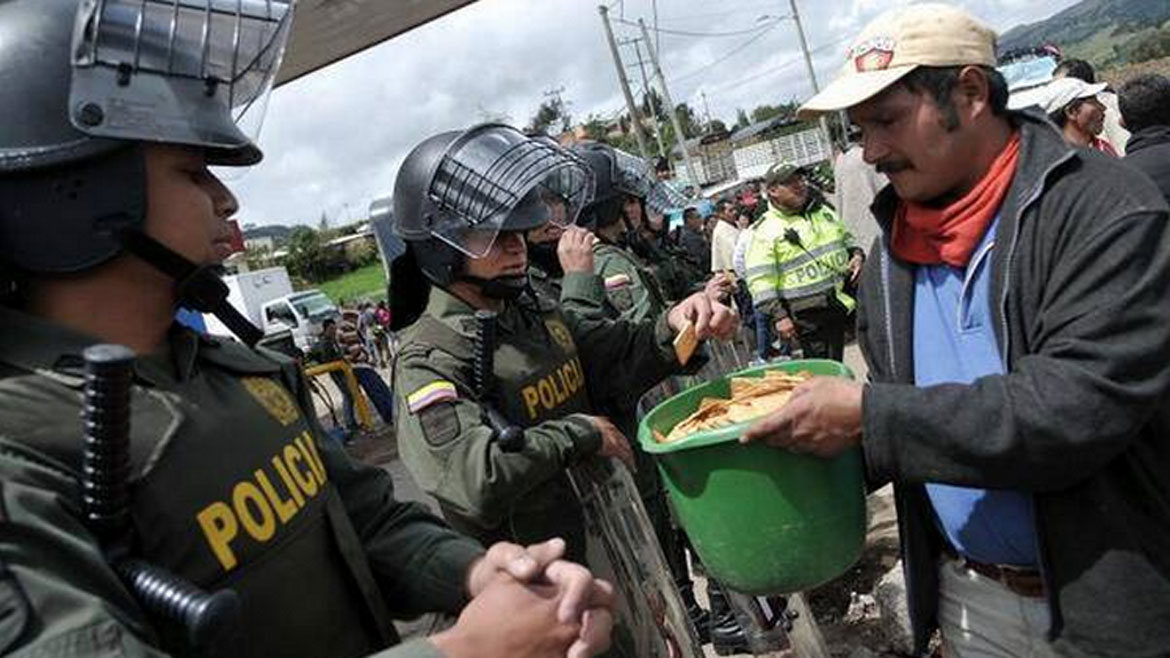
[1016,326]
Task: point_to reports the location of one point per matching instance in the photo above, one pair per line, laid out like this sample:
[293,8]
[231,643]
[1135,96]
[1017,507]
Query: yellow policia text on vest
[552,390]
[266,501]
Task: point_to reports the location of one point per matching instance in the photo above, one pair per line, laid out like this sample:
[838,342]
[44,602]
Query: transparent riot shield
[651,620]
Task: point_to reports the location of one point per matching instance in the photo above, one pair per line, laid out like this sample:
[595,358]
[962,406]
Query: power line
[688,33]
[725,12]
[728,55]
[776,69]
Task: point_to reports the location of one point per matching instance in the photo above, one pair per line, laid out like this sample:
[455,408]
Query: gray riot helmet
[457,191]
[620,175]
[87,84]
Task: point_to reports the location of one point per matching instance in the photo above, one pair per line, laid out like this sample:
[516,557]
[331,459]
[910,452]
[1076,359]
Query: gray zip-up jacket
[1081,290]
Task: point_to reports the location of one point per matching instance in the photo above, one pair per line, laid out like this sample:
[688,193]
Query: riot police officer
[463,203]
[623,191]
[109,219]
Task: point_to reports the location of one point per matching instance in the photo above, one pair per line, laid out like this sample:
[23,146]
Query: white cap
[899,41]
[1054,95]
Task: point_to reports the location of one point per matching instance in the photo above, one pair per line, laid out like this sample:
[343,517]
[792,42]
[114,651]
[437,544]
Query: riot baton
[509,437]
[106,505]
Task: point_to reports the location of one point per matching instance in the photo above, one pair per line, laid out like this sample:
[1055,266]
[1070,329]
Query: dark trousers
[348,418]
[821,331]
[377,391]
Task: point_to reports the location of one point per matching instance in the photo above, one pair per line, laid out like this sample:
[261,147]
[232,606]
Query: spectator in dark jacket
[694,241]
[1145,108]
[1016,327]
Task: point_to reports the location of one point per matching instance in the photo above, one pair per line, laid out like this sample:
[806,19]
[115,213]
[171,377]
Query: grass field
[368,283]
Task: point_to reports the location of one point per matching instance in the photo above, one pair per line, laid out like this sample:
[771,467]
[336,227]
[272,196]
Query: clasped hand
[530,603]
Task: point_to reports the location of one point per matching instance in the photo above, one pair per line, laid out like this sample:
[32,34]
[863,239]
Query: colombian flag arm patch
[430,394]
[617,281]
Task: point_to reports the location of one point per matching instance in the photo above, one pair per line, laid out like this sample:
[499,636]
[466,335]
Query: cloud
[334,139]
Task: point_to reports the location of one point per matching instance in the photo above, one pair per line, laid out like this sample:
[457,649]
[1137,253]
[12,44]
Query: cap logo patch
[873,54]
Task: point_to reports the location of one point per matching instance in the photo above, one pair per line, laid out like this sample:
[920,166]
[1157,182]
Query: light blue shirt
[955,342]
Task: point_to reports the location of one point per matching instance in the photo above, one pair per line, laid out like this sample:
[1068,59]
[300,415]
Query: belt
[1021,581]
[814,301]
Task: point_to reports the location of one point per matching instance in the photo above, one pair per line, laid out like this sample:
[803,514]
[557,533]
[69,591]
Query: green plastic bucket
[764,521]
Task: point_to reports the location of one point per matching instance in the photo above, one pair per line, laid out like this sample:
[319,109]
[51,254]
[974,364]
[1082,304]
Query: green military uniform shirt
[231,487]
[547,364]
[671,266]
[629,285]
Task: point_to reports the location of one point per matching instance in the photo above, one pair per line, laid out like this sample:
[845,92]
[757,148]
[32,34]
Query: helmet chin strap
[199,287]
[507,288]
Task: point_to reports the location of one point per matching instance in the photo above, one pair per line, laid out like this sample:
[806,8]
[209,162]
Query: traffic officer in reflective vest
[801,265]
[463,202]
[107,223]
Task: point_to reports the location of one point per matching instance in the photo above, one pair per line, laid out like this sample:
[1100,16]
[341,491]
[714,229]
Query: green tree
[306,254]
[1153,46]
[552,116]
[688,120]
[595,128]
[765,112]
[652,106]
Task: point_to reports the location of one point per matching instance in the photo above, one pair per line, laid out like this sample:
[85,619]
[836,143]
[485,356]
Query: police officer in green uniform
[801,261]
[110,218]
[623,189]
[629,284]
[463,202]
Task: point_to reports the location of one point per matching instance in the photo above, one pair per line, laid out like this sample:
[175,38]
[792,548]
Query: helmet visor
[663,198]
[193,72]
[632,174]
[494,178]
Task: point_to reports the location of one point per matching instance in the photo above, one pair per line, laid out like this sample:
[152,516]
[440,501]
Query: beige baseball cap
[899,41]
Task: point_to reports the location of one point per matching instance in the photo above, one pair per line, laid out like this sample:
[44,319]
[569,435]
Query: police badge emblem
[275,400]
[560,334]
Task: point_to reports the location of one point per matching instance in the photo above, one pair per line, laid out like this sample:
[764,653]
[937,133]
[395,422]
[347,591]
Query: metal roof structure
[327,31]
[749,131]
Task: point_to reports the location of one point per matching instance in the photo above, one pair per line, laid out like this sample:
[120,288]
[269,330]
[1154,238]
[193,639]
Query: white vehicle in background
[267,299]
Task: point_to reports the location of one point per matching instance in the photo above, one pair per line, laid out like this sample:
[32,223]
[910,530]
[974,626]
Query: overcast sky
[334,139]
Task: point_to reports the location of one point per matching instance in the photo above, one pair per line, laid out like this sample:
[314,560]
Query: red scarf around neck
[930,236]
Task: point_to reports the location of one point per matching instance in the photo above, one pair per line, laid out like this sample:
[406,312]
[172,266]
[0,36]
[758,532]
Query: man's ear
[973,89]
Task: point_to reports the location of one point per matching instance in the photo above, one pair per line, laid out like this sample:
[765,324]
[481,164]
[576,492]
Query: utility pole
[678,133]
[623,82]
[812,74]
[706,108]
[653,114]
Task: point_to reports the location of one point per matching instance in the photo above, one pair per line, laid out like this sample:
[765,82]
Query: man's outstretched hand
[823,417]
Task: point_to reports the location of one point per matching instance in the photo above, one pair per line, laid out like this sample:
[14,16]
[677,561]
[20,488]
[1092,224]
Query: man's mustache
[891,167]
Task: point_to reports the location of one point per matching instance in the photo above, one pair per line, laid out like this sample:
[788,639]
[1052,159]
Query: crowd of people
[1012,312]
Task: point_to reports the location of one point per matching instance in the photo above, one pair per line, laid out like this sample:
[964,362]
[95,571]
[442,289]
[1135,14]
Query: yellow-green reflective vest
[778,269]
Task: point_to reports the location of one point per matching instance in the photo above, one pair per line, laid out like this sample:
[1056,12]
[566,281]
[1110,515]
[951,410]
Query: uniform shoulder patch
[432,393]
[439,423]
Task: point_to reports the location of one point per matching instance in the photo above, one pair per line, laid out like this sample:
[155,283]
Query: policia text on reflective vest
[813,264]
